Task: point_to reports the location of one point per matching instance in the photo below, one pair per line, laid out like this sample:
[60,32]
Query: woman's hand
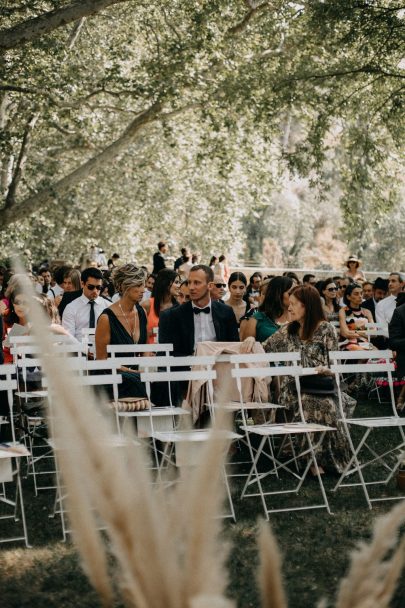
[247,345]
[323,370]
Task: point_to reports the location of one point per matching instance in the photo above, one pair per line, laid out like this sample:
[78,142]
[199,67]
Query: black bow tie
[198,310]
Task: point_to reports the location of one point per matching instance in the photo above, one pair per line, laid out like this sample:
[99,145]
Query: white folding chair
[10,462]
[186,444]
[88,340]
[376,329]
[27,360]
[165,416]
[243,414]
[81,370]
[282,364]
[387,461]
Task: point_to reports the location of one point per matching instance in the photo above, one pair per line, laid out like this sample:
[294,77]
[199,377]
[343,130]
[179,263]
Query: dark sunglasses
[219,285]
[92,287]
[332,289]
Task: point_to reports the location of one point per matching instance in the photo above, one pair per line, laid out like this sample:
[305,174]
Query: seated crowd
[128,305]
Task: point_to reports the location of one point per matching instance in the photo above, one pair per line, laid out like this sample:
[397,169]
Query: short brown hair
[311,300]
[209,273]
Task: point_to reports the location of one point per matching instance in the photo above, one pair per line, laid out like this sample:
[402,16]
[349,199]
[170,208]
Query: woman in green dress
[272,313]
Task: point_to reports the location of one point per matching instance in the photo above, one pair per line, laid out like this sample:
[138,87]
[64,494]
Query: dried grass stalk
[375,567]
[270,576]
[168,550]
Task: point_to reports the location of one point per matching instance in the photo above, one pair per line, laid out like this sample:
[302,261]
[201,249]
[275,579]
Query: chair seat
[114,441]
[32,394]
[377,422]
[156,411]
[235,406]
[291,428]
[194,436]
[13,450]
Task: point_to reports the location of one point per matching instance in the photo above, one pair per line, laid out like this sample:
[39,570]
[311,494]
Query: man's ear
[210,285]
[82,284]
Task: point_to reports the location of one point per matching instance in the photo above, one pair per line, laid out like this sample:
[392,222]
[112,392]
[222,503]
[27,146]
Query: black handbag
[318,385]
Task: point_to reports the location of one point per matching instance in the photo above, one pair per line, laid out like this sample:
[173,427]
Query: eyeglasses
[220,285]
[20,302]
[92,287]
[332,289]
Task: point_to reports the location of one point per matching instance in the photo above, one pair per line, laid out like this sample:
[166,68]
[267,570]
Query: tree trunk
[59,189]
[47,22]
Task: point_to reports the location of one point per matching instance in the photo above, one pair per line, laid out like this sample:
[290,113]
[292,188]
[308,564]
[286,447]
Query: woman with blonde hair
[124,322]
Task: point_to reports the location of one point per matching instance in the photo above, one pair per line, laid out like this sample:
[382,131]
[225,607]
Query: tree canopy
[125,121]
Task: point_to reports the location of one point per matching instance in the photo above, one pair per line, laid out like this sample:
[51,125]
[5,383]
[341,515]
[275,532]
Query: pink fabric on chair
[253,389]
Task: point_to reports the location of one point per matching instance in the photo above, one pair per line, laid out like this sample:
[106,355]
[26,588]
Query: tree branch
[20,164]
[61,187]
[47,22]
[254,9]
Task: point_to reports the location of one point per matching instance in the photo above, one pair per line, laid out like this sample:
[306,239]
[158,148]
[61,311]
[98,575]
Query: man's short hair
[209,273]
[397,274]
[368,283]
[307,277]
[161,244]
[60,273]
[94,273]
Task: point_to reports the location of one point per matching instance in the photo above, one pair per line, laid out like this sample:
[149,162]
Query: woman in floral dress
[312,336]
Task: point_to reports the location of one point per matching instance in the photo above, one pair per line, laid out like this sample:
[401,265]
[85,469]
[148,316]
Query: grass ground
[315,546]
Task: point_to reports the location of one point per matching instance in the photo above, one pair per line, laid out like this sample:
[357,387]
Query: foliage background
[270,130]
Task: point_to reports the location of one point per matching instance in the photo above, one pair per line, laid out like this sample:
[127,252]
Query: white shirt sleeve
[68,320]
[379,317]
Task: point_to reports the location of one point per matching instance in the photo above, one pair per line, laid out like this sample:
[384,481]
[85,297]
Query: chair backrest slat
[346,355]
[139,348]
[172,376]
[265,357]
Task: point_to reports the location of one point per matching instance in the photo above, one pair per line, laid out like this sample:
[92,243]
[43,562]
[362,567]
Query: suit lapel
[215,319]
[189,325]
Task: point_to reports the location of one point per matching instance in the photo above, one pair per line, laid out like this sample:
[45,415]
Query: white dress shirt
[385,309]
[76,315]
[204,328]
[54,291]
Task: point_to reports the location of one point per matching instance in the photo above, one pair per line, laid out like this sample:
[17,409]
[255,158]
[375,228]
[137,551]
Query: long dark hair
[164,280]
[311,300]
[237,276]
[272,305]
[12,315]
[335,302]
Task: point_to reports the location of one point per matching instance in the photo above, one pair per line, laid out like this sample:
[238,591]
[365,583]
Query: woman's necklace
[131,332]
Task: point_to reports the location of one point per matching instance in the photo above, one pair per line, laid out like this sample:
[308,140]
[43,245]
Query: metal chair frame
[368,425]
[284,364]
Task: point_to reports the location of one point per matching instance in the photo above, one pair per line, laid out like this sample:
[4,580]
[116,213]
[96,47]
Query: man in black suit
[159,261]
[396,330]
[198,320]
[380,288]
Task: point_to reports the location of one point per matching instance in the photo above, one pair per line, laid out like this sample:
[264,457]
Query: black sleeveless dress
[131,385]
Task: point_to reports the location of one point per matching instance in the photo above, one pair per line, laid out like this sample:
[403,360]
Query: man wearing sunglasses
[84,311]
[218,288]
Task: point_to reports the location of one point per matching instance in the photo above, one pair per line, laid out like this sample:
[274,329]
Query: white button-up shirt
[385,309]
[204,326]
[76,315]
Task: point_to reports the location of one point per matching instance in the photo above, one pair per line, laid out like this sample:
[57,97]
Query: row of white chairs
[161,425]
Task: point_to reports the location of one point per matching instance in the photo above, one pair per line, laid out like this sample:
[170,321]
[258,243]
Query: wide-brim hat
[353,258]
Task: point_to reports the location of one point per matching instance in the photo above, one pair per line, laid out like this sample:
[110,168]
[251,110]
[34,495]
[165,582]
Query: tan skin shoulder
[146,306]
[102,336]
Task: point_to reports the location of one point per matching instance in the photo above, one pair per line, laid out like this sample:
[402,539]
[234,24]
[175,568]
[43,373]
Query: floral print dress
[322,409]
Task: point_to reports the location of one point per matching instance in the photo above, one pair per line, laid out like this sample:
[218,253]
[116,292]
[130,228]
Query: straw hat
[353,258]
